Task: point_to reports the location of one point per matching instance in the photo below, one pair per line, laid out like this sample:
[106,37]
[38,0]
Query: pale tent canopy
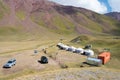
[72,48]
[59,44]
[62,46]
[88,52]
[65,47]
[79,50]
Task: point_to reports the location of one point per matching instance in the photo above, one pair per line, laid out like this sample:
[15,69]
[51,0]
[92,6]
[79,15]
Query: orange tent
[105,57]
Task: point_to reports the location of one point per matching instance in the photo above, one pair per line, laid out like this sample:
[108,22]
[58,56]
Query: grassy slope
[21,15]
[100,23]
[101,42]
[66,24]
[57,23]
[89,23]
[3,9]
[9,33]
[62,24]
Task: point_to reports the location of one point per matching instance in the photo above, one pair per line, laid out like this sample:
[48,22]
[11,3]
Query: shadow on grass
[39,61]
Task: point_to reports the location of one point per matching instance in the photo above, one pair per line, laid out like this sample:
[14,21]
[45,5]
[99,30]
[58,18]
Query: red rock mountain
[39,17]
[115,15]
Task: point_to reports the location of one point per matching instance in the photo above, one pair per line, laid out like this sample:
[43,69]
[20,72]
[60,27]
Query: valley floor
[75,74]
[62,65]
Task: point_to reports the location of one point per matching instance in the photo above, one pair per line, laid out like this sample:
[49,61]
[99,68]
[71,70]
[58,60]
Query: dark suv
[44,59]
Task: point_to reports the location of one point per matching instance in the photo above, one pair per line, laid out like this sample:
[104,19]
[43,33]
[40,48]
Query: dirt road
[25,60]
[75,74]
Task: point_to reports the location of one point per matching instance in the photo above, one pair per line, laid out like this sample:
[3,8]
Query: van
[94,61]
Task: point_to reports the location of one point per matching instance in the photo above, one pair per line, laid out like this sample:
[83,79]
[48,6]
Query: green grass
[57,24]
[8,33]
[21,73]
[64,26]
[8,30]
[103,42]
[115,59]
[89,23]
[3,9]
[21,15]
[1,14]
[20,46]
[82,39]
[98,23]
[12,33]
[39,19]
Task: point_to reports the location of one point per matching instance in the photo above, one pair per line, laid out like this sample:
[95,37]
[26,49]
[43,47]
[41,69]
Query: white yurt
[72,48]
[60,45]
[65,47]
[88,52]
[79,50]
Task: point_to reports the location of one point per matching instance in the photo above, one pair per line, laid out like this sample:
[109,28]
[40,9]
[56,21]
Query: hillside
[33,18]
[115,15]
[27,26]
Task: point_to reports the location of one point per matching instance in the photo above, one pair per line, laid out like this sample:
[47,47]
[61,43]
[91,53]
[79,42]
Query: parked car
[10,63]
[44,59]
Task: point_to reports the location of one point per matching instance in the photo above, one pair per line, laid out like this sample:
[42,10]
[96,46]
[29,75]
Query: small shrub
[63,65]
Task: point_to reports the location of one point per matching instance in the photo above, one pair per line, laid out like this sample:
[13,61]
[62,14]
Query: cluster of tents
[86,51]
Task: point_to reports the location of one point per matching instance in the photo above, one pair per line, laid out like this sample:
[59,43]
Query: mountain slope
[42,17]
[115,15]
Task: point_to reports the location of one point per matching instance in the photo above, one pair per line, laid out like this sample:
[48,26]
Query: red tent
[105,57]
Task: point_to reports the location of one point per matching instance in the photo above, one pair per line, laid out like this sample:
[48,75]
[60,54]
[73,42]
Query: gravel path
[75,74]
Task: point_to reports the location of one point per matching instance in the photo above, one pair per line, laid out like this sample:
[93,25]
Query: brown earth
[75,74]
[28,60]
[25,60]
